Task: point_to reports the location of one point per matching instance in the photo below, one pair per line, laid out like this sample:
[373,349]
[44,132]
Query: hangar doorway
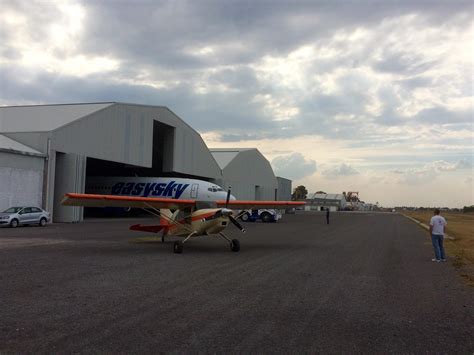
[162,165]
[162,158]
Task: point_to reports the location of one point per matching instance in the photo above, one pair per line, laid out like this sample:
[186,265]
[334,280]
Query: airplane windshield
[215,189]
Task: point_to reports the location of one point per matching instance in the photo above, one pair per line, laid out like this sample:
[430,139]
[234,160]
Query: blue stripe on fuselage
[171,189]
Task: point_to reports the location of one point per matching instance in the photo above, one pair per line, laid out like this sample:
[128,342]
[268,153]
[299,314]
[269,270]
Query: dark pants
[327,219]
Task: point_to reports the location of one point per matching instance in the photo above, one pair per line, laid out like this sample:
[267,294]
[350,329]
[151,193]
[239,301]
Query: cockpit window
[215,189]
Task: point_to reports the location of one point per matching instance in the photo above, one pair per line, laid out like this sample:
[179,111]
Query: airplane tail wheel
[178,247]
[235,245]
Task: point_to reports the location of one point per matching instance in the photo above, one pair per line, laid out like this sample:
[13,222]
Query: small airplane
[168,187]
[180,217]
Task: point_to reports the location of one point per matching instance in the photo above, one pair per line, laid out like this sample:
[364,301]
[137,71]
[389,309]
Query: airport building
[250,175]
[21,174]
[320,201]
[49,150]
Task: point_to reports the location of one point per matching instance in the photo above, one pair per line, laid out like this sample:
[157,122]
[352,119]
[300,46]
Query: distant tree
[321,192]
[468,209]
[299,193]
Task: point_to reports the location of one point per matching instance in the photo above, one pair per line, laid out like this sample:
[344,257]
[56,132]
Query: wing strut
[156,213]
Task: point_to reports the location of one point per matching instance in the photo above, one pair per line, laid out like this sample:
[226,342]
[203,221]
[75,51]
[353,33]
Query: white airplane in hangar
[167,187]
[180,217]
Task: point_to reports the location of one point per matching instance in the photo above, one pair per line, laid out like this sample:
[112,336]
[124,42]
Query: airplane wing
[245,205]
[90,200]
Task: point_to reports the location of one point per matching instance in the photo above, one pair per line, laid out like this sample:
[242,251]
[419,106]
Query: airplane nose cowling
[226,212]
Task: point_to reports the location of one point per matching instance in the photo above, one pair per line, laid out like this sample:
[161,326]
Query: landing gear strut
[179,246]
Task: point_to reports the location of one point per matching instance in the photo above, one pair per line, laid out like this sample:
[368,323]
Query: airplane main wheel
[178,247]
[235,245]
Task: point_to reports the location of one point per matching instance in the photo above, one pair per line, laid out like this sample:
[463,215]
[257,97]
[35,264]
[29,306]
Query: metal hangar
[48,150]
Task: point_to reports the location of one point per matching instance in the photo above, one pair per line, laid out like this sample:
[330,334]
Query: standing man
[437,229]
[327,215]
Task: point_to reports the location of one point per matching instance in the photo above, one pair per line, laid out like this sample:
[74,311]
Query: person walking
[327,215]
[437,230]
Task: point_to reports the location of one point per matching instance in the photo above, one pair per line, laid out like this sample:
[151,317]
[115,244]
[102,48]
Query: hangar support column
[70,176]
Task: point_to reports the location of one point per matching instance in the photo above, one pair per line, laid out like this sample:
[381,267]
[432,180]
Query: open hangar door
[162,158]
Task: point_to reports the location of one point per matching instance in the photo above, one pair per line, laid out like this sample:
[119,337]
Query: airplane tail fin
[165,216]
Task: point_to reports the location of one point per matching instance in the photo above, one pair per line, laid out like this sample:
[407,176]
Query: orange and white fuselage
[202,222]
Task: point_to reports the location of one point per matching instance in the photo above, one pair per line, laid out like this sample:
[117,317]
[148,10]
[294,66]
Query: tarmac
[364,283]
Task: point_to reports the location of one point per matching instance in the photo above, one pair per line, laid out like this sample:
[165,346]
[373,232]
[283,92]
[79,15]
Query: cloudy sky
[368,96]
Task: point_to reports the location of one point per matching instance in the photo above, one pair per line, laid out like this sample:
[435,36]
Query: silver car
[15,216]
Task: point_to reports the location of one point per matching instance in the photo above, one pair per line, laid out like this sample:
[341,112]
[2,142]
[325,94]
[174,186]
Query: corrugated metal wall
[124,133]
[21,180]
[114,134]
[284,189]
[70,177]
[251,176]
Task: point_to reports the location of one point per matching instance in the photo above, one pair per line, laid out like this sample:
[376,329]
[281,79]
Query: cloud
[385,77]
[293,166]
[429,171]
[216,65]
[340,170]
[463,164]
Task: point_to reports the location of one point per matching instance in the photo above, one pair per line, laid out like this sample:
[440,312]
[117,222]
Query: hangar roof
[9,145]
[315,196]
[224,156]
[46,117]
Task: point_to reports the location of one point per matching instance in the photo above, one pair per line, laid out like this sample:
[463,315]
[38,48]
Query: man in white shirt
[437,229]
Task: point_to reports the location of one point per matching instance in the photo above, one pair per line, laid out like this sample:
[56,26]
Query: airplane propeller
[237,224]
[231,218]
[228,197]
[227,213]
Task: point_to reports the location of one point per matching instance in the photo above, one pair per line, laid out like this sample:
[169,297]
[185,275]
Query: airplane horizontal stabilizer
[152,229]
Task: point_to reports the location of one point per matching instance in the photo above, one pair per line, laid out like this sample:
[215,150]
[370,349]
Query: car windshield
[12,210]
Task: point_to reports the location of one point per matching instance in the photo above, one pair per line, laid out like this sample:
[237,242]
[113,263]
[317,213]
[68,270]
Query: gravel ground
[364,283]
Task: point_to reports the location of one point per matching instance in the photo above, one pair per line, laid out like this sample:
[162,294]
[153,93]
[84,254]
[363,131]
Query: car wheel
[42,222]
[266,217]
[14,223]
[245,217]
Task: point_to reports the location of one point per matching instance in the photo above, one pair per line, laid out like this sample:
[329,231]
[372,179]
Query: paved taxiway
[365,283]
